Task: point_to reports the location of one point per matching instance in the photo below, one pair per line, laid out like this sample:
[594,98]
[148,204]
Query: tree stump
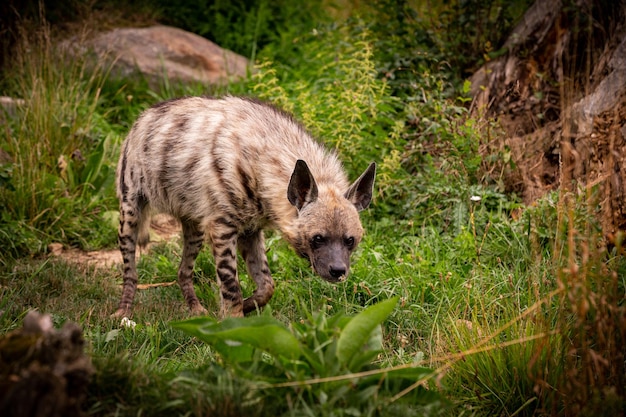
[559,92]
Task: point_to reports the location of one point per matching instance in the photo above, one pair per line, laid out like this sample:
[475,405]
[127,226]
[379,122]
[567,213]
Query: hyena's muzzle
[330,258]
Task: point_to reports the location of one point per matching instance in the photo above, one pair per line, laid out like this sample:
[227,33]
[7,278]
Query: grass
[493,333]
[519,316]
[60,150]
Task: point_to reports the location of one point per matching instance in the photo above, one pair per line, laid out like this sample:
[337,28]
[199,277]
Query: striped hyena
[227,169]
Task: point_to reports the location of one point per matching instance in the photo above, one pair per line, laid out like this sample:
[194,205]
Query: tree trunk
[559,92]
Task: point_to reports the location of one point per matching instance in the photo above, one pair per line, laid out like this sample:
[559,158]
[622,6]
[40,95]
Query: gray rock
[9,106]
[160,51]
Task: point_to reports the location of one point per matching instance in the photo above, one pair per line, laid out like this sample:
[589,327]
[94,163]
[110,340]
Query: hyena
[227,169]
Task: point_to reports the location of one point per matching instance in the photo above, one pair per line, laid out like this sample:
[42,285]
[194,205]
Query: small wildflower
[126,322]
[475,198]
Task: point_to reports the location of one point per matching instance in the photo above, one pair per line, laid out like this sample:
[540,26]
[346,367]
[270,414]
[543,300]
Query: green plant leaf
[235,338]
[358,330]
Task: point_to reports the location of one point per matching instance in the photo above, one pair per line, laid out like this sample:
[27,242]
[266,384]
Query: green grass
[490,330]
[495,306]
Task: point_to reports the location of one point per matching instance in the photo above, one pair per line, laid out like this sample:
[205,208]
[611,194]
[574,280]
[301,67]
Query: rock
[8,110]
[163,50]
[9,105]
[43,371]
[607,95]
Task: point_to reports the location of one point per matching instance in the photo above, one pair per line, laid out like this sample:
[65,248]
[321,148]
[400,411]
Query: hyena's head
[328,227]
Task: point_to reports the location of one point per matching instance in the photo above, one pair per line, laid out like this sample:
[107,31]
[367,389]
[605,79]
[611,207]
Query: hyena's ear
[302,188]
[360,192]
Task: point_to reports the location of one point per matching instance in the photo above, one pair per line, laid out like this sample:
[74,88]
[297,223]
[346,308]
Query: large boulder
[164,51]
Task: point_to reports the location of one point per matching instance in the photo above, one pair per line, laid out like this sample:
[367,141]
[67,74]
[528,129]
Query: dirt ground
[162,227]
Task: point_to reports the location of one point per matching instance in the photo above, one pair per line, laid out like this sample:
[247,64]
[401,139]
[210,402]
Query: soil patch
[162,228]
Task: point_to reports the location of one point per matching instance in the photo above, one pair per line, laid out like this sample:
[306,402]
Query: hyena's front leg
[193,238]
[252,249]
[224,239]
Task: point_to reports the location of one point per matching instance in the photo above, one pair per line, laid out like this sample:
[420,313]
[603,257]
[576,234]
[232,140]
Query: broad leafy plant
[325,361]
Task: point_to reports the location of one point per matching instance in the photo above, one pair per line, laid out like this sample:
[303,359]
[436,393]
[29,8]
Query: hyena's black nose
[337,271]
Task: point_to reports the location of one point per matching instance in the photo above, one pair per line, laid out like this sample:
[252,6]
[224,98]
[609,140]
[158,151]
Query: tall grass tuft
[558,350]
[591,312]
[59,171]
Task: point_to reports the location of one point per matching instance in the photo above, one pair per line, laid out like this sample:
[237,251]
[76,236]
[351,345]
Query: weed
[591,312]
[562,328]
[353,116]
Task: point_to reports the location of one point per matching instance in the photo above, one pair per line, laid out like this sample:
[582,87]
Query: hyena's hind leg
[133,230]
[193,238]
[252,249]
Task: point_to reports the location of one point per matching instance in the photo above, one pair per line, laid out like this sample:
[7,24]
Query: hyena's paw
[198,310]
[250,305]
[231,311]
[121,312]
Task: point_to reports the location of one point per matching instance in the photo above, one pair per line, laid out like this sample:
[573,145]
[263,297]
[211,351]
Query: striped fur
[227,169]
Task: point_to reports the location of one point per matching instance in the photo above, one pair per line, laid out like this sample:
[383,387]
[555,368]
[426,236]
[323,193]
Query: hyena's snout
[331,264]
[338,271]
[334,272]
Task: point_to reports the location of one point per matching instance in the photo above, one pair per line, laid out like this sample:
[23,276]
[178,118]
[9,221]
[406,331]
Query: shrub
[245,26]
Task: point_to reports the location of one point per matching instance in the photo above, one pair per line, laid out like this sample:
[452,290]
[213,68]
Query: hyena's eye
[349,242]
[317,241]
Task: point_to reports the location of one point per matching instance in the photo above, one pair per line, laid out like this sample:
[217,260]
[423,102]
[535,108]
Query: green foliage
[59,176]
[327,361]
[444,162]
[235,339]
[359,329]
[506,356]
[529,353]
[352,116]
[453,37]
[244,26]
[477,26]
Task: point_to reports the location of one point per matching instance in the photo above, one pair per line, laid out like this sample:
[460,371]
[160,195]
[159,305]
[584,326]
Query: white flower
[475,198]
[126,322]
